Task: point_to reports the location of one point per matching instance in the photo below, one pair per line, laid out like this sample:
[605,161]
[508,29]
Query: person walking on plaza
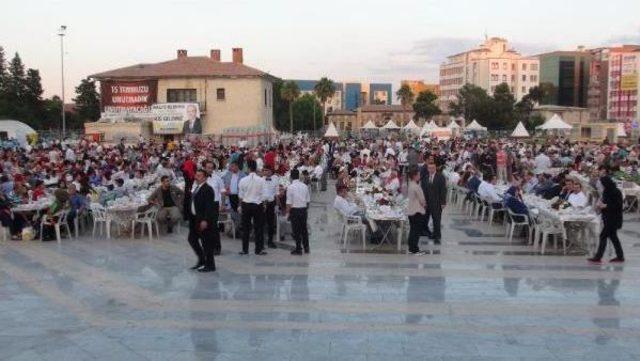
[215,182]
[270,191]
[434,187]
[170,199]
[298,199]
[202,223]
[415,211]
[251,195]
[610,206]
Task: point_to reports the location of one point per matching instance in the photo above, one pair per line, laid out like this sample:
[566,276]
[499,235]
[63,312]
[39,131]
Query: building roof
[188,66]
[384,108]
[551,107]
[341,112]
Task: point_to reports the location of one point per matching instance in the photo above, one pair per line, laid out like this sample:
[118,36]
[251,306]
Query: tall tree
[3,82]
[405,96]
[471,103]
[425,105]
[16,87]
[87,101]
[303,108]
[280,107]
[324,89]
[290,92]
[545,93]
[503,102]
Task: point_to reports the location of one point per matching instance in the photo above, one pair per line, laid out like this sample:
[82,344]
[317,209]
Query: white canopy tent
[17,130]
[390,125]
[331,132]
[369,125]
[555,123]
[520,131]
[620,132]
[453,125]
[411,126]
[475,126]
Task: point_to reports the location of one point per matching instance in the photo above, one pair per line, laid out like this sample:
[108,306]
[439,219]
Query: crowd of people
[196,180]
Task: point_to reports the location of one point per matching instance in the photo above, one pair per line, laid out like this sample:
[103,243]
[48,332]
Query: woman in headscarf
[610,206]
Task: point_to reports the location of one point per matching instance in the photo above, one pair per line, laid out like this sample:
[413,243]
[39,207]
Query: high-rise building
[568,72]
[418,86]
[351,95]
[487,66]
[623,84]
[597,94]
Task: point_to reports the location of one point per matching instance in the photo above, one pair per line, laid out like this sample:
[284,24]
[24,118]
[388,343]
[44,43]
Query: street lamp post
[61,33]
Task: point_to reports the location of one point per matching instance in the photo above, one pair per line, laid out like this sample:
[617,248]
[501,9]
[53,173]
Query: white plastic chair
[226,220]
[555,228]
[493,211]
[100,218]
[147,218]
[58,221]
[352,224]
[518,220]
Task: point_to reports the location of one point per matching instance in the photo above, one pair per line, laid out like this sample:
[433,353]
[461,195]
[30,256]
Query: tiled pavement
[476,297]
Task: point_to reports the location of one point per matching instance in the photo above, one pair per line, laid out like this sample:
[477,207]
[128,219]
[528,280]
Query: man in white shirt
[487,191]
[163,169]
[215,182]
[344,206]
[251,194]
[270,191]
[70,155]
[298,199]
[530,182]
[542,162]
[577,198]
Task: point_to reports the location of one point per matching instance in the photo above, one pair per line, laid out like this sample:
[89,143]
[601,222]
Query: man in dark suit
[193,124]
[434,186]
[202,222]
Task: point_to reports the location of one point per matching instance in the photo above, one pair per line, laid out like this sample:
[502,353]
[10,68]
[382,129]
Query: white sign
[170,118]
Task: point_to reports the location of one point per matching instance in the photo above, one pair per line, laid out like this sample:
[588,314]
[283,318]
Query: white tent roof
[453,124]
[474,125]
[520,131]
[428,126]
[390,125]
[620,132]
[555,123]
[16,130]
[369,125]
[331,132]
[411,125]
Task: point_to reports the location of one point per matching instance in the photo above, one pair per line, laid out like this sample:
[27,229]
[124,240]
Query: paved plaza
[476,297]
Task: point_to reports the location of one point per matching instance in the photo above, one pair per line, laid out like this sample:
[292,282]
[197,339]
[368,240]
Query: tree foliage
[87,100]
[290,92]
[21,97]
[425,105]
[303,108]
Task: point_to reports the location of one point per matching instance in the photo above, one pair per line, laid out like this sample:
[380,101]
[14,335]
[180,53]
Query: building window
[220,94]
[513,90]
[534,67]
[495,77]
[513,78]
[513,67]
[524,66]
[524,77]
[504,66]
[533,78]
[495,66]
[181,96]
[504,78]
[265,98]
[524,90]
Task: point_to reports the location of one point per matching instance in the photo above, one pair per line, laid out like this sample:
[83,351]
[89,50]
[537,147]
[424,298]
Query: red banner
[128,96]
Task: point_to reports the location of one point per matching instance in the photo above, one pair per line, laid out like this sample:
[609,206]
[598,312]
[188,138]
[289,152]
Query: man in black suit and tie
[202,223]
[193,124]
[434,186]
